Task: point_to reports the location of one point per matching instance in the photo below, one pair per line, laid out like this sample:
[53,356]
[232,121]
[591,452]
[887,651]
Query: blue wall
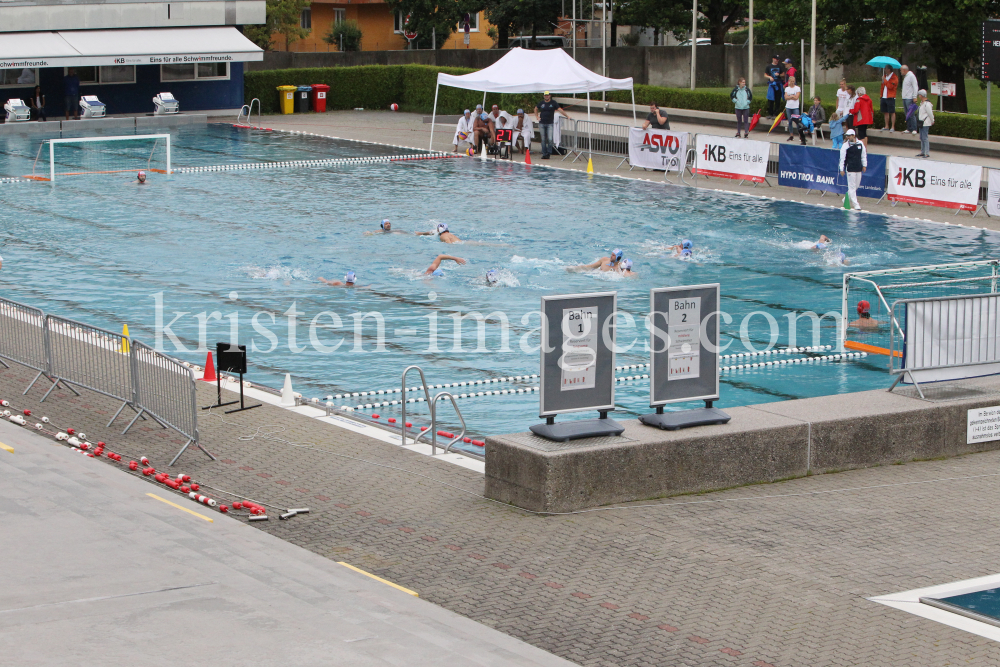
[137,98]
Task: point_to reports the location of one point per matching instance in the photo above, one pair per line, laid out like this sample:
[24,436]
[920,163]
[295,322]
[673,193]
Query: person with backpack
[775,88]
[742,96]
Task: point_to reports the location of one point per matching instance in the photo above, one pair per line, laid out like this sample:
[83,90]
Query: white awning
[524,71]
[149,46]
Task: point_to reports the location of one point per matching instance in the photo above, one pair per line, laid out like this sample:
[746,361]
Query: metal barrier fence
[79,355]
[594,137]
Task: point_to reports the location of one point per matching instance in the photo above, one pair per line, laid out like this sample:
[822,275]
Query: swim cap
[616,254]
[841,257]
[384,223]
[349,278]
[484,116]
[437,272]
[627,264]
[442,227]
[495,106]
[479,106]
[686,244]
[864,307]
[492,276]
[467,111]
[142,176]
[686,253]
[520,112]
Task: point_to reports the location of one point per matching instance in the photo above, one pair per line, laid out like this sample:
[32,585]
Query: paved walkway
[410,130]
[765,575]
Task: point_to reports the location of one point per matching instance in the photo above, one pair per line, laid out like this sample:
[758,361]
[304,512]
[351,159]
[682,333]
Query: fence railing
[75,354]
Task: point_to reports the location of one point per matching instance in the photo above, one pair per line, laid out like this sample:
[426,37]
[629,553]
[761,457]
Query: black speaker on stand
[231,359]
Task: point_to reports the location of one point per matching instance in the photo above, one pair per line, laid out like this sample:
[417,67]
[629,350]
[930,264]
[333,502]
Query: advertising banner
[683,341]
[729,157]
[657,149]
[944,184]
[817,169]
[993,193]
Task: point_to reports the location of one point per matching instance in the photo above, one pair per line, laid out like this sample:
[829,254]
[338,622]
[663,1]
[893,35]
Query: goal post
[881,289]
[79,156]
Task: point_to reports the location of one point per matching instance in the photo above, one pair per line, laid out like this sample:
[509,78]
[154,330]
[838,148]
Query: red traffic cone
[209,369]
[527,156]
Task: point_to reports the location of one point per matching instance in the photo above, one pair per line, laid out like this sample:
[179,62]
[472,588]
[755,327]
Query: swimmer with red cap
[865,319]
[141,178]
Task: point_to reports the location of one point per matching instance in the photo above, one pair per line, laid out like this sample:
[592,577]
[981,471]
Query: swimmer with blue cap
[684,249]
[609,263]
[823,243]
[443,234]
[350,280]
[492,277]
[435,268]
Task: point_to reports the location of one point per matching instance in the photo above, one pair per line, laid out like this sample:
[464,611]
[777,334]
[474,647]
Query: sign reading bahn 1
[577,367]
[684,355]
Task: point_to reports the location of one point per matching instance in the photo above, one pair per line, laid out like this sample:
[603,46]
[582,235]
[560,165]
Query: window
[92,76]
[473,23]
[306,19]
[18,78]
[339,15]
[398,27]
[194,72]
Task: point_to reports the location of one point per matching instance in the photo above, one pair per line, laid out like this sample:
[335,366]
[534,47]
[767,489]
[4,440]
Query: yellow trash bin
[286,95]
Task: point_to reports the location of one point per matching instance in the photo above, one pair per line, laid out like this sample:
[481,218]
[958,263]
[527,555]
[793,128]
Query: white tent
[527,71]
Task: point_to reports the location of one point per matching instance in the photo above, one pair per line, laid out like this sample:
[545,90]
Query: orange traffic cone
[527,156]
[209,369]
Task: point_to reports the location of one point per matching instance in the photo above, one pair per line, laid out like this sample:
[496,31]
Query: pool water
[99,248]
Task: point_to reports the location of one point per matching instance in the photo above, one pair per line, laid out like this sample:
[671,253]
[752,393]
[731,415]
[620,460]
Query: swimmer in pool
[141,178]
[385,227]
[865,320]
[683,249]
[609,263]
[625,268]
[492,278]
[842,258]
[823,242]
[435,268]
[443,234]
[350,280]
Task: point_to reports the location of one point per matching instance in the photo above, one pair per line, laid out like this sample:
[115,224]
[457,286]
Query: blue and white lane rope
[764,364]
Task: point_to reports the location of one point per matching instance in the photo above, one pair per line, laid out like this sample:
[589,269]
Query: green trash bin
[286,97]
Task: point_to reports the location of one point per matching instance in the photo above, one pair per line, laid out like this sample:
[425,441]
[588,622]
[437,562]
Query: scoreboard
[991,51]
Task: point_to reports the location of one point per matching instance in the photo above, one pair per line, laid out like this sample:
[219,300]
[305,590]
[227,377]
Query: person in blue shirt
[837,130]
[775,86]
[545,115]
[71,89]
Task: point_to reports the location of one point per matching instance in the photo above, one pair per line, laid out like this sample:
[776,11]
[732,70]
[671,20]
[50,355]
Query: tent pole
[590,137]
[633,105]
[484,101]
[434,115]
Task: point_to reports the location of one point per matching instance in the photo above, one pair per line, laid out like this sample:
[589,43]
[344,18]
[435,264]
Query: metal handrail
[427,396]
[249,108]
[434,422]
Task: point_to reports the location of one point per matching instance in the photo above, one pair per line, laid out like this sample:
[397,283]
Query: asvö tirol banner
[945,184]
[729,157]
[657,149]
[817,169]
[993,193]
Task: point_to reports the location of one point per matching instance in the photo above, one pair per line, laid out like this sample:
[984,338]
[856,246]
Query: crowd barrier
[74,354]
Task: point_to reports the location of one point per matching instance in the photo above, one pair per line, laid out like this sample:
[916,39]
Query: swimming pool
[246,243]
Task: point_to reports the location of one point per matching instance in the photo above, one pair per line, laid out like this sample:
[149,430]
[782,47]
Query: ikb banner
[944,184]
[657,149]
[993,193]
[729,157]
[816,169]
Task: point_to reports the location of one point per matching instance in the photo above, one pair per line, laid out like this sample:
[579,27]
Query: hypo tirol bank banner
[729,157]
[945,184]
[817,169]
[657,149]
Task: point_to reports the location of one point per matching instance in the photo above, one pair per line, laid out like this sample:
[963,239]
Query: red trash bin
[319,91]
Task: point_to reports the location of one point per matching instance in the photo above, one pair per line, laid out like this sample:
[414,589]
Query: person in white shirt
[925,116]
[910,87]
[853,162]
[792,95]
[524,131]
[500,117]
[463,132]
[843,95]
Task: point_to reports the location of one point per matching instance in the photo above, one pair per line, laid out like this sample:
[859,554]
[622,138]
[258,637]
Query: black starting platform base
[672,421]
[584,428]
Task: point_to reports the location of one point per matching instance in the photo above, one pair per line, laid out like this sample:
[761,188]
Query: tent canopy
[526,71]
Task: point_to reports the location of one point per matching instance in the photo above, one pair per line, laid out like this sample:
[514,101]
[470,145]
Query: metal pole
[989,85]
[802,63]
[434,38]
[812,55]
[694,38]
[574,29]
[750,52]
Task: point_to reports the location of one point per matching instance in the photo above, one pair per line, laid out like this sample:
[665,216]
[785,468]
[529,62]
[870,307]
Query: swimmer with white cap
[141,177]
[609,263]
[350,280]
[823,242]
[435,268]
[385,227]
[443,234]
[492,278]
[625,268]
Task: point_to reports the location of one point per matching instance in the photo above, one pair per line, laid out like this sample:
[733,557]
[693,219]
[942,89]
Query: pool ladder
[249,110]
[432,403]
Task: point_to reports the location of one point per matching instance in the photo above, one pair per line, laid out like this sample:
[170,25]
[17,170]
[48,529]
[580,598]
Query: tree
[345,35]
[284,17]
[433,21]
[716,17]
[538,17]
[857,30]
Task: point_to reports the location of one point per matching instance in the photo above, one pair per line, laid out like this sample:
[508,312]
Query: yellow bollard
[124,346]
[590,166]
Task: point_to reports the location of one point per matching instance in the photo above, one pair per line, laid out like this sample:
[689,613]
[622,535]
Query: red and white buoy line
[251,127]
[13,179]
[181,484]
[331,162]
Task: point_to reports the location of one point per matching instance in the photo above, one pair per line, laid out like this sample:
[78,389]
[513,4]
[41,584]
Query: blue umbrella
[882,61]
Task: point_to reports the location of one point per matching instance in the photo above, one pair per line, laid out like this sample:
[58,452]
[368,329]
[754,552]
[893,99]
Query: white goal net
[102,155]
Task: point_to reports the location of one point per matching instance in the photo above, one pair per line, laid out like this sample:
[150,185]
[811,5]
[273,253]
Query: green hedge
[412,88]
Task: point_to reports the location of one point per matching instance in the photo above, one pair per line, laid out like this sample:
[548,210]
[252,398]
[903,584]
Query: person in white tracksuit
[464,130]
[853,161]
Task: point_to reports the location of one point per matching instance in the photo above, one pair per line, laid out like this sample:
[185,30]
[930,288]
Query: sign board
[942,89]
[991,50]
[944,184]
[577,353]
[729,157]
[818,169]
[993,193]
[683,343]
[982,425]
[657,149]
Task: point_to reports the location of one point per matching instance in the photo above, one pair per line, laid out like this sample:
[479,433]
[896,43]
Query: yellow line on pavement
[184,509]
[369,574]
[7,447]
